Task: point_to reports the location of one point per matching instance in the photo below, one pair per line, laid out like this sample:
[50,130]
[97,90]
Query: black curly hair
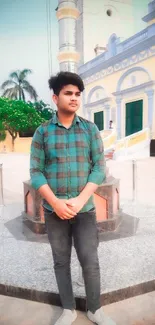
[64,78]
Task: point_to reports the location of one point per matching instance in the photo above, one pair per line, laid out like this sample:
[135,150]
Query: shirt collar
[55,120]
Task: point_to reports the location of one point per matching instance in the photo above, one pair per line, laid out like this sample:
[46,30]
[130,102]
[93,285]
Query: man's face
[69,99]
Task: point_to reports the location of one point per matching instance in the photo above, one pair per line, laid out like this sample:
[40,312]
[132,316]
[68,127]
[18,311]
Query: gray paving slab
[139,310]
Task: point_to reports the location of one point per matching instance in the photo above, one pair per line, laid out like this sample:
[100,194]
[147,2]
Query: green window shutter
[99,120]
[134,117]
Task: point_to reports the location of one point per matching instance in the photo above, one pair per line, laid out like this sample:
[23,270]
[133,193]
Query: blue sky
[23,39]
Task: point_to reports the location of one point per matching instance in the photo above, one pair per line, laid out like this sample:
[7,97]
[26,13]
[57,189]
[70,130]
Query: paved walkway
[17,245]
[135,311]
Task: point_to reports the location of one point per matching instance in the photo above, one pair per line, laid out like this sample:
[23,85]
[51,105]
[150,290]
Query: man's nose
[73,97]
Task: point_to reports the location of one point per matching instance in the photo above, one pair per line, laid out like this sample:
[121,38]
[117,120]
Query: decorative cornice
[149,17]
[124,49]
[134,89]
[99,102]
[66,12]
[134,49]
[151,22]
[68,56]
[123,64]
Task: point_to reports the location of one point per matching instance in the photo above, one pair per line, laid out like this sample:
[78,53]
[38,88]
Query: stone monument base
[33,215]
[106,200]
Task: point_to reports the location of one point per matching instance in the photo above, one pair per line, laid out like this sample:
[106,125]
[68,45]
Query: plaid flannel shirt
[67,159]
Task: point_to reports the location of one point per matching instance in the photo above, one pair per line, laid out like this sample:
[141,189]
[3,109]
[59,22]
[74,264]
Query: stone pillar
[150,94]
[119,116]
[67,15]
[107,110]
[1,186]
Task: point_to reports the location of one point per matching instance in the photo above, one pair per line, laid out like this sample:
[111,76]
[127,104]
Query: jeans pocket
[47,213]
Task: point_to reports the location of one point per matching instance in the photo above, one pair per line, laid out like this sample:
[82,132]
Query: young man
[67,165]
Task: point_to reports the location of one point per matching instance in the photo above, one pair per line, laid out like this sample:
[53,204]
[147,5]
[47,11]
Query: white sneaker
[99,318]
[67,318]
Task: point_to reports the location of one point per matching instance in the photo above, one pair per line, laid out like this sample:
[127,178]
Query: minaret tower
[67,15]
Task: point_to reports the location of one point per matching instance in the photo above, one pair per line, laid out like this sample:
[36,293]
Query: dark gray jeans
[83,230]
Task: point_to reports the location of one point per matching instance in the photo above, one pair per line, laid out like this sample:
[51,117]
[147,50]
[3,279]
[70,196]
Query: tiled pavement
[135,311]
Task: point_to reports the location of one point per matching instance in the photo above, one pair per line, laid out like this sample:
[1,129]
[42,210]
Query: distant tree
[18,116]
[17,85]
[2,132]
[44,109]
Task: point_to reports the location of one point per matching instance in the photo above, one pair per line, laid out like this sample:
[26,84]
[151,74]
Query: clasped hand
[67,209]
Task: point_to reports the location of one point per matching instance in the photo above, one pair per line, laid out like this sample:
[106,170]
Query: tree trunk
[13,136]
[20,95]
[13,144]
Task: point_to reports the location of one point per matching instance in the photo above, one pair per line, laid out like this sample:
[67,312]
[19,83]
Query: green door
[99,120]
[134,117]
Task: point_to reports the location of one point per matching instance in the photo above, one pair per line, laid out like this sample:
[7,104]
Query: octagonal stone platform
[106,200]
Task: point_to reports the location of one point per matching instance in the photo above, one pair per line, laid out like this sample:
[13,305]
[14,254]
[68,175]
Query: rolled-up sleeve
[98,172]
[37,160]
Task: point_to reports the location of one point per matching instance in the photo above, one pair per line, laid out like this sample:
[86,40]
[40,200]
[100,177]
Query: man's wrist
[82,198]
[54,201]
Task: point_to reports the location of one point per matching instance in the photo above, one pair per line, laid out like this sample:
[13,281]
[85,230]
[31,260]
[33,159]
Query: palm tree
[16,86]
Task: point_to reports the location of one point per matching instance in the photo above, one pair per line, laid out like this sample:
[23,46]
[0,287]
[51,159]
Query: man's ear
[55,99]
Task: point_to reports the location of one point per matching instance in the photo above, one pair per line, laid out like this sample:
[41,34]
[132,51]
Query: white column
[119,117]
[67,15]
[150,94]
[107,111]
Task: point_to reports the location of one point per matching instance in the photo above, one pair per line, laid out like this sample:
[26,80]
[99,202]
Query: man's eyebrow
[68,91]
[71,92]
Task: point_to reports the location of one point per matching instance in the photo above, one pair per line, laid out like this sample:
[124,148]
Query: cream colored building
[120,82]
[99,19]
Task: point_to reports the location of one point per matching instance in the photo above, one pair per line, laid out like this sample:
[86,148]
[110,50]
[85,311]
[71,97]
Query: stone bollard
[1,186]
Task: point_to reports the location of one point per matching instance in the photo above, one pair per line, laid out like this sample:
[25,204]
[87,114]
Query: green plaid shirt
[67,159]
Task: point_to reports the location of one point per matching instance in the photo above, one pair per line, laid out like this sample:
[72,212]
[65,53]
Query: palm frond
[15,75]
[30,90]
[11,93]
[24,73]
[8,83]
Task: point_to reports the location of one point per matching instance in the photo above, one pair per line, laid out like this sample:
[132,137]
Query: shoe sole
[111,322]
